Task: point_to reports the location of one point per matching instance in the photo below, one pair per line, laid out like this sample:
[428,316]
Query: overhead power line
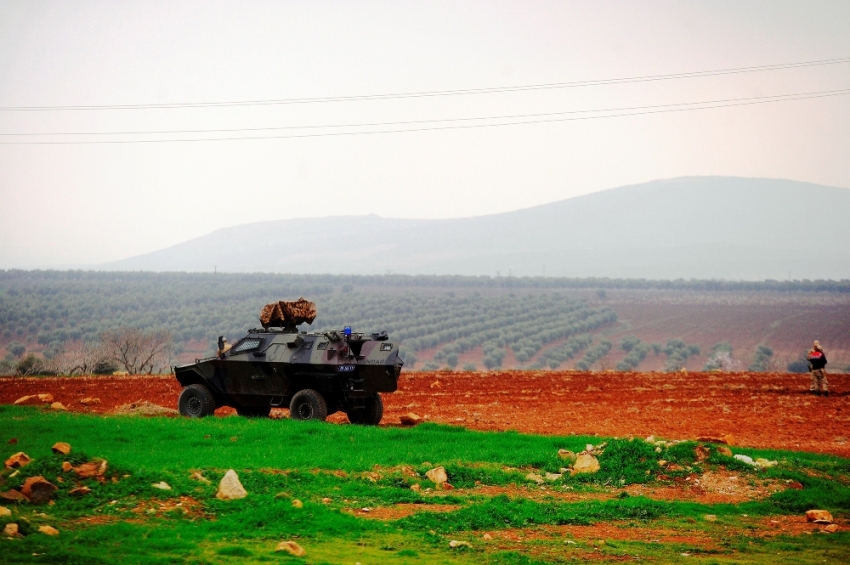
[682,105]
[432,93]
[524,119]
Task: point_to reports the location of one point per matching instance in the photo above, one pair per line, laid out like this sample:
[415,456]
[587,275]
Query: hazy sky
[88,203]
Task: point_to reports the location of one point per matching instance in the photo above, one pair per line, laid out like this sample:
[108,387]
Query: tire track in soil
[764,410]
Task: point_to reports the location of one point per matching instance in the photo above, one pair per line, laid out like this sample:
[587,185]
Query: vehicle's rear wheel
[196,401]
[254,411]
[370,414]
[308,404]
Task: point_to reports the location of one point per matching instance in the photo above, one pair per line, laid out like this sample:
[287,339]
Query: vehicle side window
[247,344]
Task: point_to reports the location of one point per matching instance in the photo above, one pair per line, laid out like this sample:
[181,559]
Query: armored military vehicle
[314,374]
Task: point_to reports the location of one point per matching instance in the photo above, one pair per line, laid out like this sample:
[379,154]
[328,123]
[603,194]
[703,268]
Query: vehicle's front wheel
[370,414]
[254,411]
[196,401]
[308,404]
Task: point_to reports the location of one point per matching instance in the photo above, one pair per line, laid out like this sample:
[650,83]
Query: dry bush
[138,352]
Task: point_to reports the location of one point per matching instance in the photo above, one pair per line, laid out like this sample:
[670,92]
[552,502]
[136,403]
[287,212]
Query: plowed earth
[759,409]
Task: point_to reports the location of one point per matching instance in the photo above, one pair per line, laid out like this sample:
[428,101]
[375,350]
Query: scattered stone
[650,439]
[446,486]
[831,529]
[745,459]
[765,464]
[57,406]
[410,419]
[230,488]
[437,475]
[5,511]
[536,478]
[11,530]
[38,490]
[161,485]
[588,447]
[658,449]
[366,509]
[18,460]
[454,544]
[48,530]
[60,447]
[199,477]
[585,463]
[66,466]
[12,496]
[725,451]
[297,503]
[662,462]
[291,548]
[88,401]
[415,487]
[818,516]
[91,469]
[326,500]
[710,518]
[45,398]
[701,453]
[79,491]
[552,476]
[567,455]
[487,537]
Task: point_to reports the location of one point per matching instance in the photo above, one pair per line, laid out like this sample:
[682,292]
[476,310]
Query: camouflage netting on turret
[288,313]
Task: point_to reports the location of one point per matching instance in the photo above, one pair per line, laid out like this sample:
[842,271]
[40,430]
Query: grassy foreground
[337,471]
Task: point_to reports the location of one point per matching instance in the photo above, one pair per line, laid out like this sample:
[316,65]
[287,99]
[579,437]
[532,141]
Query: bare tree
[136,351]
[79,357]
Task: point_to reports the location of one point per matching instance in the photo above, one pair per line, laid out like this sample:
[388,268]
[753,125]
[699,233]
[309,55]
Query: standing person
[817,364]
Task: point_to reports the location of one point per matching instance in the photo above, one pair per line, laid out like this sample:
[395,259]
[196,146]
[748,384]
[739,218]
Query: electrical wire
[774,98]
[636,111]
[432,93]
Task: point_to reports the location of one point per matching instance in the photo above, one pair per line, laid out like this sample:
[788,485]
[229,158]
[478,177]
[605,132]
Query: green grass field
[338,470]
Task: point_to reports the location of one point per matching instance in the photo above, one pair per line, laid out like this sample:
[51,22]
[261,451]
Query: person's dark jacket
[817,360]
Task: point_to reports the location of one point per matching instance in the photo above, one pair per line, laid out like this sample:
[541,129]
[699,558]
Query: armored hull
[313,374]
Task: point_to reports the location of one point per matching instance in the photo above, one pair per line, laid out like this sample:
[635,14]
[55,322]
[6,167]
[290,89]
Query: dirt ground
[759,409]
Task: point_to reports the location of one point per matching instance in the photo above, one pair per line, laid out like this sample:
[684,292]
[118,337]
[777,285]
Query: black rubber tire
[308,404]
[371,414]
[254,411]
[196,401]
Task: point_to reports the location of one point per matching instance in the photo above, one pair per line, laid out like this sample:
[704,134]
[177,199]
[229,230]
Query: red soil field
[764,410]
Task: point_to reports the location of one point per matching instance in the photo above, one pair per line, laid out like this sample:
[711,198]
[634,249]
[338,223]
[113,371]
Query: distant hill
[692,227]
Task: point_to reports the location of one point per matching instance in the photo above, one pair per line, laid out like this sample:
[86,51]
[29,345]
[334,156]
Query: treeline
[57,308]
[330,282]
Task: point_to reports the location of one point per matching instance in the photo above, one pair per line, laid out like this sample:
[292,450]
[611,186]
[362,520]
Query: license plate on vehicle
[345,368]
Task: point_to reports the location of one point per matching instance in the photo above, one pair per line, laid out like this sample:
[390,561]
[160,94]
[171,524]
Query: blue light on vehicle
[347,331]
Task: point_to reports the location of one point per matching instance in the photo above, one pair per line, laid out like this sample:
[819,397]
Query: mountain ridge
[687,227]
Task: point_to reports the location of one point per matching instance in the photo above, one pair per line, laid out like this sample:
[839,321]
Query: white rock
[455,543]
[536,478]
[552,476]
[161,485]
[585,463]
[230,488]
[438,475]
[746,459]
